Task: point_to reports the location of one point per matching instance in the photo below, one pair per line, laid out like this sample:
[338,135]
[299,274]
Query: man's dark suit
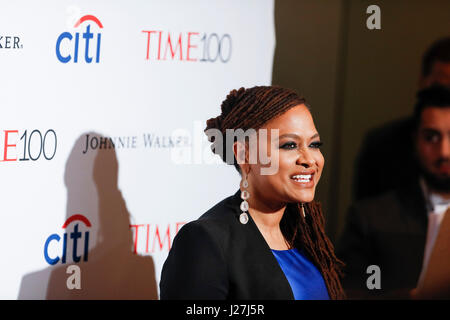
[217,257]
[388,231]
[390,143]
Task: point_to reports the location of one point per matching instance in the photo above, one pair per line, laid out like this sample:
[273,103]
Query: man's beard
[437,183]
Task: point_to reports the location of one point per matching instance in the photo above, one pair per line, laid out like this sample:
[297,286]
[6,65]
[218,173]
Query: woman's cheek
[320,163]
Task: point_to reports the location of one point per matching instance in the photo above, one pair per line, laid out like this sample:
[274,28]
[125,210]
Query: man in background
[392,140]
[397,229]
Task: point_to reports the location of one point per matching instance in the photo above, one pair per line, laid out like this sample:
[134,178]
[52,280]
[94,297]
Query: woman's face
[300,161]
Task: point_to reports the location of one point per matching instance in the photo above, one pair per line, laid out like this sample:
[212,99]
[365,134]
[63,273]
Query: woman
[267,241]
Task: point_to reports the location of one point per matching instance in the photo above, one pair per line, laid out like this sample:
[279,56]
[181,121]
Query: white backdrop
[136,88]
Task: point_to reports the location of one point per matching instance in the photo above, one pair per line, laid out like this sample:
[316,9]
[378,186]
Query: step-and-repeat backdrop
[102,152]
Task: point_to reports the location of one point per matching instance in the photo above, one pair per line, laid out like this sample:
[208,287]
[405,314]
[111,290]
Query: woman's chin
[304,196]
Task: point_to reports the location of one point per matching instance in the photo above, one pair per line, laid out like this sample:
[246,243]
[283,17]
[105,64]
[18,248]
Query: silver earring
[303,210]
[243,218]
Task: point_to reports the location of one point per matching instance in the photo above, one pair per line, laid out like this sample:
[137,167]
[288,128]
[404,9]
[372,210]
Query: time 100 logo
[27,145]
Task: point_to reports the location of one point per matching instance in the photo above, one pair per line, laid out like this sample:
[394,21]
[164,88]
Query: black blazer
[217,257]
[389,231]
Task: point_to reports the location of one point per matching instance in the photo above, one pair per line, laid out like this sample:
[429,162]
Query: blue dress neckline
[305,279]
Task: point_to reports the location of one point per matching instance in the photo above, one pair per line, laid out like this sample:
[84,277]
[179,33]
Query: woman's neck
[267,216]
[268,211]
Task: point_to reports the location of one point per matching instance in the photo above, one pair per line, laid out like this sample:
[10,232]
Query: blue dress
[305,279]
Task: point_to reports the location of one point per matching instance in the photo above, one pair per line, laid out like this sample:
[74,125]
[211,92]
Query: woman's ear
[240,151]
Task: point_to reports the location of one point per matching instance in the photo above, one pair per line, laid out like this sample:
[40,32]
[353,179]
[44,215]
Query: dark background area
[354,78]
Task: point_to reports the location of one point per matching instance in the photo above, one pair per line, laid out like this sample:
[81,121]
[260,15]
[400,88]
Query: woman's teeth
[302,177]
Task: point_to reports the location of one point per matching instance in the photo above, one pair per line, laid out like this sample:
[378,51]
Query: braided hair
[251,109]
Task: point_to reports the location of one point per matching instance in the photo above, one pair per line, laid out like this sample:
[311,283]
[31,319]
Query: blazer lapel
[261,252]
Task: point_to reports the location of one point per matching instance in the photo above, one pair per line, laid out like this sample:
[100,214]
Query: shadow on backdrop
[109,268]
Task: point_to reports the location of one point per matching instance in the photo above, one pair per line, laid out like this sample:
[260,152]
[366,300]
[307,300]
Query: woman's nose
[305,159]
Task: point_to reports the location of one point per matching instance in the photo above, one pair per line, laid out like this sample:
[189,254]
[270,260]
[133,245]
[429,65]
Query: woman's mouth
[302,177]
[303,180]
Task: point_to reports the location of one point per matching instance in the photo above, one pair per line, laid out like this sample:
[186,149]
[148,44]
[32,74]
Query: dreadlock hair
[249,109]
[252,108]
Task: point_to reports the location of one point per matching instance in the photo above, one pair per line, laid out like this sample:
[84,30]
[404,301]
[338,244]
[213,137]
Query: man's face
[433,147]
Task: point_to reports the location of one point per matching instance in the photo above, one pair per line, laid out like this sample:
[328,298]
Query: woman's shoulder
[218,220]
[223,210]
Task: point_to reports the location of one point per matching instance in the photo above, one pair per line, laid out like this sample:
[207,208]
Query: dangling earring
[303,210]
[243,218]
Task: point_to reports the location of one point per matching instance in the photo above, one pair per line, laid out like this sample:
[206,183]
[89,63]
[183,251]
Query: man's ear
[423,82]
[414,136]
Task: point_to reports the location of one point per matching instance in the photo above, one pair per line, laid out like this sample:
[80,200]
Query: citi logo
[68,44]
[52,242]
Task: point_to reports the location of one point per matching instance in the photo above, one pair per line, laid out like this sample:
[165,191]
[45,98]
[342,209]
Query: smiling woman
[267,241]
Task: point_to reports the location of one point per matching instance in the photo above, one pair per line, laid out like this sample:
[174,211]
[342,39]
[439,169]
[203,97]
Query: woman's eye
[316,144]
[289,145]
